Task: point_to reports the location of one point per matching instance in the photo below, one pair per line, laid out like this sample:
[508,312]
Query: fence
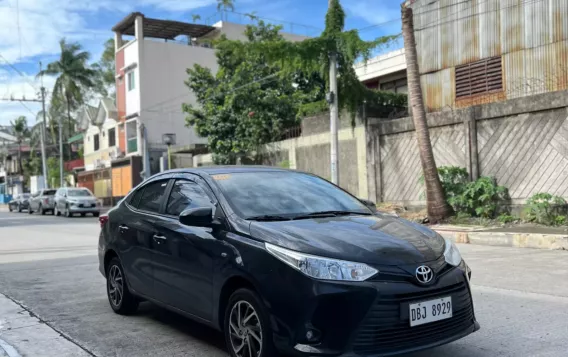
[523,143]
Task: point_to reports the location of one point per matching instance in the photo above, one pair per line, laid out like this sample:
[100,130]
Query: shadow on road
[182,324]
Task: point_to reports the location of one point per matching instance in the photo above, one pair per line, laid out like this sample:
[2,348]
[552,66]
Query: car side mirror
[197,217]
[370,204]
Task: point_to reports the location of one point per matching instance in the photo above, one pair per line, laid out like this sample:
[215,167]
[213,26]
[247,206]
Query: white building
[385,72]
[151,70]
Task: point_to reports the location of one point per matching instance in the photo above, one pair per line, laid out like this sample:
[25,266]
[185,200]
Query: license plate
[430,311]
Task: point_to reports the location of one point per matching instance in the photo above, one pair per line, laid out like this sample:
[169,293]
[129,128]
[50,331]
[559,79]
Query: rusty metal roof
[165,29]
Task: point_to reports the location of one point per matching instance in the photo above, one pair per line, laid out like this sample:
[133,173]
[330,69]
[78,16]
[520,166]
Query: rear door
[184,256]
[136,229]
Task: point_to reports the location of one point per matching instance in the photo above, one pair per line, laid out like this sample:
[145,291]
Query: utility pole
[60,152]
[43,136]
[334,114]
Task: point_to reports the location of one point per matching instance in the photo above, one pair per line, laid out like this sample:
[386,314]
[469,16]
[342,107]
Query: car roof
[216,170]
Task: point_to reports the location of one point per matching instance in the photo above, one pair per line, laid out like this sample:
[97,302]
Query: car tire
[83,214]
[19,209]
[41,210]
[68,213]
[124,303]
[30,210]
[10,208]
[56,212]
[255,333]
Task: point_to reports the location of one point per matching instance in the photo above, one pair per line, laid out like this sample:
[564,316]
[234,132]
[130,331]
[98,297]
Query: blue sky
[31,30]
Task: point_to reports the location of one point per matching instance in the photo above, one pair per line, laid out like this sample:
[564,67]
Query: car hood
[378,239]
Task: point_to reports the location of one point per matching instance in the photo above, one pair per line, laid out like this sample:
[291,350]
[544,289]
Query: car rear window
[49,193]
[26,195]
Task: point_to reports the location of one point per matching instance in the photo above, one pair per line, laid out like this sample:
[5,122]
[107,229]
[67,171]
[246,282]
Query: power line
[224,93]
[19,72]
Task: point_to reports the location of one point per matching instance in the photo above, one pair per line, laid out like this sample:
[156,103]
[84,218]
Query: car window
[26,195]
[48,192]
[135,199]
[79,193]
[152,197]
[284,193]
[59,192]
[185,195]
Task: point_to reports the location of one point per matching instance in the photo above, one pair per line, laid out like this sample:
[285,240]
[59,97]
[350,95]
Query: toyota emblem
[424,274]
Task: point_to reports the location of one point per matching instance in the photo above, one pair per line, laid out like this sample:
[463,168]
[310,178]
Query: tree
[73,76]
[252,16]
[312,55]
[105,70]
[225,5]
[195,17]
[21,132]
[437,206]
[247,103]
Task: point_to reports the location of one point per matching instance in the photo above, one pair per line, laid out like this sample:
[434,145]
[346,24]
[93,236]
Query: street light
[169,140]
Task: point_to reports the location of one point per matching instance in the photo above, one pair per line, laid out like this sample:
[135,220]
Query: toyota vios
[283,261]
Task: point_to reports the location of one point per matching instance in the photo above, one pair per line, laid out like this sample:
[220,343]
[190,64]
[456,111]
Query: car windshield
[49,193]
[78,193]
[26,195]
[284,193]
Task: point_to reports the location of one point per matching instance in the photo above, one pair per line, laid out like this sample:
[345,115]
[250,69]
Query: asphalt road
[49,265]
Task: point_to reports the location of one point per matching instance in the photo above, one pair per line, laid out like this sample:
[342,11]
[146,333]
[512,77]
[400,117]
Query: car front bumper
[368,318]
[77,209]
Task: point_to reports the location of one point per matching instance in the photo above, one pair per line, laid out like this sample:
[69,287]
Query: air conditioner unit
[98,164]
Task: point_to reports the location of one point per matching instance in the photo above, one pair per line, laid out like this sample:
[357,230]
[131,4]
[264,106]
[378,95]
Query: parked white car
[70,201]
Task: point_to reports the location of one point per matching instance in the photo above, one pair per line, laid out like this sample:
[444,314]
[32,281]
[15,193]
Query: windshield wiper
[268,217]
[330,214]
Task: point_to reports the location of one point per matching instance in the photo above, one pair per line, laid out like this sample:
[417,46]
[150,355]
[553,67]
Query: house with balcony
[386,72]
[152,58]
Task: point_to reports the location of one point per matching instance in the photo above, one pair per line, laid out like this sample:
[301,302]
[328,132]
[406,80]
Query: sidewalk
[522,236]
[23,334]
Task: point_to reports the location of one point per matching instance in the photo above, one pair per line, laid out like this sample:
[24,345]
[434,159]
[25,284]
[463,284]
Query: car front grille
[384,331]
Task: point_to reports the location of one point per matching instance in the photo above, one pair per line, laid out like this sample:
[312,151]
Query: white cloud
[177,5]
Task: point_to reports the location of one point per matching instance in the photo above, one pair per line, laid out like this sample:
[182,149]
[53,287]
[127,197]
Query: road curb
[506,239]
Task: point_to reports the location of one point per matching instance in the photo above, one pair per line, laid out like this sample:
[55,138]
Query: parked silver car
[71,200]
[42,201]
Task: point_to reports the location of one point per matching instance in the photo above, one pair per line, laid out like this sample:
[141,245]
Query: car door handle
[159,239]
[122,227]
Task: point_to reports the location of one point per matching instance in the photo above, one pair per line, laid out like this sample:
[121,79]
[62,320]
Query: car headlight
[322,268]
[452,254]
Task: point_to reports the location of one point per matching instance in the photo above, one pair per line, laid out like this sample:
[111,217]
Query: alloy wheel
[245,330]
[116,285]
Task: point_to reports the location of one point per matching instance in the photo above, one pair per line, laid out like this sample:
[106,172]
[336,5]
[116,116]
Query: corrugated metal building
[479,51]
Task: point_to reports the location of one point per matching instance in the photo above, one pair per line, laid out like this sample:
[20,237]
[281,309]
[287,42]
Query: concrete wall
[164,71]
[521,142]
[311,153]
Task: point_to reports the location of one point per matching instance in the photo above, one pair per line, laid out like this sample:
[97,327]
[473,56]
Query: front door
[184,256]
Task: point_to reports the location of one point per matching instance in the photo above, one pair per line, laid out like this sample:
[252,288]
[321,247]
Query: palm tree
[195,17]
[74,75]
[21,132]
[225,5]
[437,206]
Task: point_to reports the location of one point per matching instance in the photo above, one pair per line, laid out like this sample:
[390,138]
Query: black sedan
[284,262]
[19,202]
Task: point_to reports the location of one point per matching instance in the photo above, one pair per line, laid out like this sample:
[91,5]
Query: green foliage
[506,218]
[104,76]
[314,108]
[544,208]
[480,198]
[53,172]
[285,164]
[312,56]
[382,103]
[247,103]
